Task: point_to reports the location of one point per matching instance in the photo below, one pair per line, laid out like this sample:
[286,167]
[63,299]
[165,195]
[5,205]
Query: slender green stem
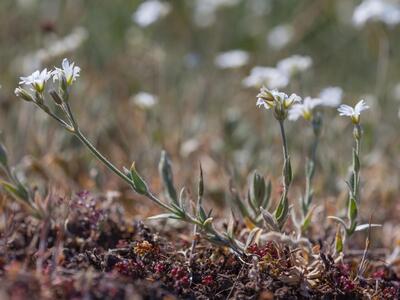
[356,172]
[101,157]
[310,167]
[70,115]
[153,198]
[286,160]
[284,142]
[55,117]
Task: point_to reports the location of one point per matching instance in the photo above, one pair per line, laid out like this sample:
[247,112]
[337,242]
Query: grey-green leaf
[139,185]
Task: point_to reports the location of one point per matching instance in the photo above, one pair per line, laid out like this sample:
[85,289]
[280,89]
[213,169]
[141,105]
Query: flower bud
[57,99]
[23,94]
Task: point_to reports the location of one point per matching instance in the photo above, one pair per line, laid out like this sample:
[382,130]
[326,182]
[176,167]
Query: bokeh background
[196,108]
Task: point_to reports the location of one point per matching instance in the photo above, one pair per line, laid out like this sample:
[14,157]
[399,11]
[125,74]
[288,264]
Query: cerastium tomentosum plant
[176,205]
[279,103]
[354,183]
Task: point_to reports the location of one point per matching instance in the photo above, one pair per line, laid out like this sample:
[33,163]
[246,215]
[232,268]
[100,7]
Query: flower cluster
[280,102]
[66,75]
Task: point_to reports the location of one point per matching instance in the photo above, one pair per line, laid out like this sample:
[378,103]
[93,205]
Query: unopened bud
[56,97]
[23,94]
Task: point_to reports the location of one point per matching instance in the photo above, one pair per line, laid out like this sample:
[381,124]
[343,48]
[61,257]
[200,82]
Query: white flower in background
[69,71]
[331,96]
[68,43]
[280,36]
[353,113]
[37,80]
[231,59]
[150,11]
[303,109]
[270,77]
[294,64]
[271,98]
[205,11]
[384,11]
[396,92]
[144,100]
[53,48]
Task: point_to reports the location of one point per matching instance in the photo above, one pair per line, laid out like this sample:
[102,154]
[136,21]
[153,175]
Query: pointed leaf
[253,237]
[366,226]
[338,241]
[3,156]
[163,216]
[139,185]
[352,210]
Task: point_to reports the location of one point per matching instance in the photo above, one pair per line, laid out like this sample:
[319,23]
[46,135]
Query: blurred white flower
[37,80]
[280,36]
[270,77]
[271,98]
[150,11]
[331,96]
[144,100]
[68,43]
[354,113]
[189,146]
[205,10]
[69,71]
[294,64]
[231,59]
[384,11]
[396,91]
[55,48]
[303,109]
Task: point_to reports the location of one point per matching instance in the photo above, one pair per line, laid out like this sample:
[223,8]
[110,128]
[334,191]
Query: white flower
[69,71]
[150,11]
[270,77]
[331,96]
[354,113]
[280,36]
[396,91]
[303,109]
[294,64]
[37,80]
[144,100]
[231,59]
[377,10]
[205,11]
[271,98]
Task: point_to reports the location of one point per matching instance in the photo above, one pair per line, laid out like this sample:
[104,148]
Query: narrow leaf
[366,226]
[163,216]
[139,185]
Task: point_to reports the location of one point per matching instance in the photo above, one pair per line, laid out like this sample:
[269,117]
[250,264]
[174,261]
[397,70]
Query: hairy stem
[286,160]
